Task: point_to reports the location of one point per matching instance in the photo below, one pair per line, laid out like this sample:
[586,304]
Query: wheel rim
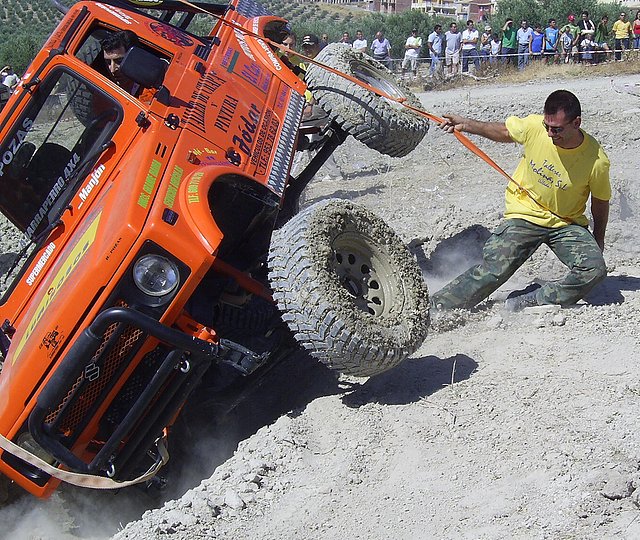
[369,75]
[364,272]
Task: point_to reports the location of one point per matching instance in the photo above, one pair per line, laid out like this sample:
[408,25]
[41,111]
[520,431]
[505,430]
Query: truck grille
[97,379]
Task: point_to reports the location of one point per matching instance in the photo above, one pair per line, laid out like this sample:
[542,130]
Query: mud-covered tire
[383,125]
[348,288]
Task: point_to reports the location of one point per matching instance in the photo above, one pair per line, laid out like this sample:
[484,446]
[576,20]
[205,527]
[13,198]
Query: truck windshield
[57,135]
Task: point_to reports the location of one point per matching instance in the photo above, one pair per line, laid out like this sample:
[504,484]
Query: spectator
[587,48]
[496,48]
[621,31]
[360,44]
[453,41]
[470,38]
[346,38]
[566,40]
[434,42]
[524,35]
[485,44]
[575,33]
[509,42]
[636,31]
[537,39]
[561,168]
[324,41]
[601,37]
[587,28]
[9,78]
[411,52]
[551,42]
[381,48]
[291,41]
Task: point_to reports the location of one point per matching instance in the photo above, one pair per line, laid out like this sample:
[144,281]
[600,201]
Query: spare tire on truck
[381,124]
[348,288]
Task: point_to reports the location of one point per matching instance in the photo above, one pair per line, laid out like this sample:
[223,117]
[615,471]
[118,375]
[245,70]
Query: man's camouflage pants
[510,245]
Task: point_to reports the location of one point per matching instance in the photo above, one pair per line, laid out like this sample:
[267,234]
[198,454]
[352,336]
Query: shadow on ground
[347,194]
[413,379]
[611,290]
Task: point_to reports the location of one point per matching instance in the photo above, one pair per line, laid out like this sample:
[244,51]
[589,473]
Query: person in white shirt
[9,78]
[412,52]
[360,44]
[524,36]
[381,49]
[470,38]
[453,39]
[434,42]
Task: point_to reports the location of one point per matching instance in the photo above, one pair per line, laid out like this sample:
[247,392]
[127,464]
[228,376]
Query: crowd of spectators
[579,40]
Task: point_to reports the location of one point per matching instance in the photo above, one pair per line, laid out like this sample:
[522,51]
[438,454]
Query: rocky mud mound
[500,426]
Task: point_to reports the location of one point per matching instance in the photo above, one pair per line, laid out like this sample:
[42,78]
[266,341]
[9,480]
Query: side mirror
[144,68]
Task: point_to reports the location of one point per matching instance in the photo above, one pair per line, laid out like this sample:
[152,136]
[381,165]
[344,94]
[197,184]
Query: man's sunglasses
[555,129]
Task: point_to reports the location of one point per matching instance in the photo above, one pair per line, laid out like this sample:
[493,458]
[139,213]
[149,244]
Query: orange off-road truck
[155,250]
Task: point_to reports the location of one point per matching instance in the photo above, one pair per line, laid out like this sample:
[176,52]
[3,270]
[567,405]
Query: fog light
[155,275]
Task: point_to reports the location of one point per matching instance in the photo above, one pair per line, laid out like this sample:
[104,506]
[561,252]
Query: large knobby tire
[381,124]
[348,288]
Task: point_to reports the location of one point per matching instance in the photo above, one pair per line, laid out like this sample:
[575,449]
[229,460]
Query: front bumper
[77,408]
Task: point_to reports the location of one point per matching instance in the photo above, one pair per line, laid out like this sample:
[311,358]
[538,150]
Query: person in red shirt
[636,31]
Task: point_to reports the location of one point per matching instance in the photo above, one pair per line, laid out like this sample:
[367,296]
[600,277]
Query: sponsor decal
[272,57]
[243,44]
[197,107]
[119,14]
[66,269]
[192,188]
[226,113]
[149,183]
[113,248]
[247,129]
[264,142]
[171,34]
[14,144]
[51,341]
[53,195]
[174,184]
[40,264]
[94,180]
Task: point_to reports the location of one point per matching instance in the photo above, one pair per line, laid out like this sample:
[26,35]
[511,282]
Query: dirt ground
[501,426]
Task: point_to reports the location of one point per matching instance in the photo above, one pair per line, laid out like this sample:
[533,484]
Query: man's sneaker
[518,300]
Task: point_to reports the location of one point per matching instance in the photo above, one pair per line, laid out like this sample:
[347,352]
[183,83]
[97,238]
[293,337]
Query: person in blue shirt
[535,46]
[550,42]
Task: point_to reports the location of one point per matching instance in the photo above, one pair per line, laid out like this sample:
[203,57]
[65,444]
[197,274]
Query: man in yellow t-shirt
[562,166]
[621,33]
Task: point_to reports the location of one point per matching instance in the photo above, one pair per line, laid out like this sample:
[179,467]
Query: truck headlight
[155,275]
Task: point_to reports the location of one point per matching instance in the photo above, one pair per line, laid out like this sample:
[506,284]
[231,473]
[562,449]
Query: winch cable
[466,142]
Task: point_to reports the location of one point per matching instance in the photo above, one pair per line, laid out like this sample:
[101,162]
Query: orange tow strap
[402,101]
